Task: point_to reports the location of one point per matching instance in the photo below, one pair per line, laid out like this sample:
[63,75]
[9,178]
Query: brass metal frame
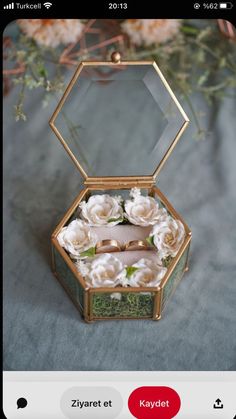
[158,291]
[92,180]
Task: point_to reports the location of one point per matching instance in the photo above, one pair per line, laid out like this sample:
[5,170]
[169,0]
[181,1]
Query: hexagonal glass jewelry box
[119,121]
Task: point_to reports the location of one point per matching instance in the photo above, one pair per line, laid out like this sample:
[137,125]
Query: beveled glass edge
[91,179]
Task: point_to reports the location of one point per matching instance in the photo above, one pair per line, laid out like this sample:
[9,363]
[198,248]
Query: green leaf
[42,71]
[166,262]
[150,240]
[111,220]
[90,252]
[203,78]
[190,30]
[130,270]
[222,62]
[19,113]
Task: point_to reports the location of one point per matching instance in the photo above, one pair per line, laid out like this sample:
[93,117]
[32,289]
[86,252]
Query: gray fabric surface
[42,328]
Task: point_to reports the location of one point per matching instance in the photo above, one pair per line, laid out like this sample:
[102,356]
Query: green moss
[130,305]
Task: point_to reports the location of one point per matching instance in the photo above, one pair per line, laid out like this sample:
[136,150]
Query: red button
[154,403]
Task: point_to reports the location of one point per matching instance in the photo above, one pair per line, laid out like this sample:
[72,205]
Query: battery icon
[226,5]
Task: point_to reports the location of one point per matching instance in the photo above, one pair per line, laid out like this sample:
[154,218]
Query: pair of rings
[115,246]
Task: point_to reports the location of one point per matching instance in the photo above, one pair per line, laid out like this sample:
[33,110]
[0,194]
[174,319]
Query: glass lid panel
[119,120]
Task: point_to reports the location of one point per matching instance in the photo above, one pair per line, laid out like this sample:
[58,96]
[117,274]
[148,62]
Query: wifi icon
[47,5]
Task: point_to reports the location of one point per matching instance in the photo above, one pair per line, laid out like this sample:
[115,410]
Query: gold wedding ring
[108,246]
[104,246]
[136,245]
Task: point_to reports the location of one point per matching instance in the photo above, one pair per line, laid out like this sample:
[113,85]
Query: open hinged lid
[119,121]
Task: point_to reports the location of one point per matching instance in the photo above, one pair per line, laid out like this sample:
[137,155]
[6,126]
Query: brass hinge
[145,182]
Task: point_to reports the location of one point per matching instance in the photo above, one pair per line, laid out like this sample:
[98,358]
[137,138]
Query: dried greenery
[199,59]
[42,70]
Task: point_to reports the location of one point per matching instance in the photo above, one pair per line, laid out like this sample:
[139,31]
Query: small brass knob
[115,57]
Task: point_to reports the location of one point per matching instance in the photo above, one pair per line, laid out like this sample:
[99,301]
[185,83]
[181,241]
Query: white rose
[77,237]
[147,274]
[142,210]
[104,271]
[101,209]
[168,236]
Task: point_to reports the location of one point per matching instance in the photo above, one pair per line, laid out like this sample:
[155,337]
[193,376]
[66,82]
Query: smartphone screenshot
[119,239]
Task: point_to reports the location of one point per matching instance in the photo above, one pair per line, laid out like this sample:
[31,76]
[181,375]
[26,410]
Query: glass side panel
[174,278]
[130,305]
[119,120]
[68,278]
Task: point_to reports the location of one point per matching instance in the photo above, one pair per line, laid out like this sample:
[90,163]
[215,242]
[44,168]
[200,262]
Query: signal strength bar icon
[9,6]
